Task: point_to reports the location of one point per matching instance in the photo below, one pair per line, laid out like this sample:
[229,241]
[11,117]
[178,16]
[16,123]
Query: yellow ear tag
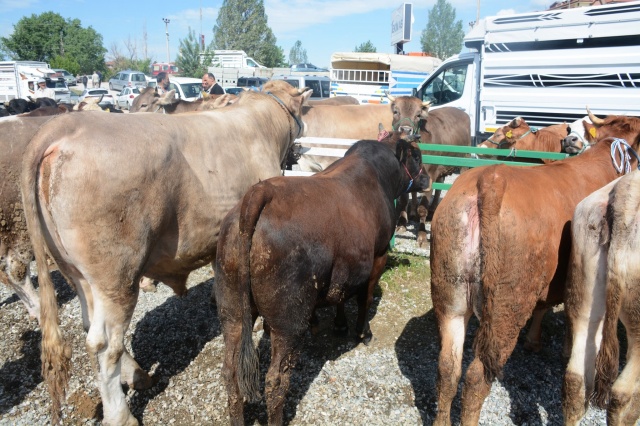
[509,134]
[592,132]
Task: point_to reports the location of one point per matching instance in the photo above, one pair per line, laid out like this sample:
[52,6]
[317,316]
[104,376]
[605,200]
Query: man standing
[43,91]
[95,79]
[210,85]
[163,83]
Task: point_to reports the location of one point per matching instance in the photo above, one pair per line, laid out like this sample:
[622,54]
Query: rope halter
[622,148]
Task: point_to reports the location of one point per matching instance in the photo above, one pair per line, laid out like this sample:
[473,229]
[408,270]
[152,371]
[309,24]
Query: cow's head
[290,98]
[150,101]
[409,155]
[612,126]
[579,135]
[408,112]
[508,135]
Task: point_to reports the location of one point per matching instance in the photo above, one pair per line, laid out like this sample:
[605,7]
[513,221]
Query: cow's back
[346,121]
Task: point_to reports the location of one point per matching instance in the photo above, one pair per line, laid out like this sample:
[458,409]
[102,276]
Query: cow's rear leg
[365,298]
[533,340]
[492,353]
[15,271]
[624,405]
[340,324]
[285,350]
[452,327]
[105,344]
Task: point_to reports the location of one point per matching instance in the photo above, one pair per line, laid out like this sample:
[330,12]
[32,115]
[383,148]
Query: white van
[545,67]
[320,85]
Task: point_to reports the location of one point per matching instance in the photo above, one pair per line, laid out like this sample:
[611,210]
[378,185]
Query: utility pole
[166,24]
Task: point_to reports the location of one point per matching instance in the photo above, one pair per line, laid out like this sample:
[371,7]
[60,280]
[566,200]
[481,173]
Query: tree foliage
[297,54]
[48,37]
[189,59]
[443,35]
[366,47]
[242,25]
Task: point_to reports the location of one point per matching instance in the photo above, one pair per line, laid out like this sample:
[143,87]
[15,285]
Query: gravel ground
[390,382]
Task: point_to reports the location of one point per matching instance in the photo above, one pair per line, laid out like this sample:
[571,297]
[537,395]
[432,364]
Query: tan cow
[150,101]
[604,287]
[116,198]
[446,126]
[500,250]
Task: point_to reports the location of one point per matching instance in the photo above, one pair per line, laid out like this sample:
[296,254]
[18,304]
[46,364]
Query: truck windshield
[447,86]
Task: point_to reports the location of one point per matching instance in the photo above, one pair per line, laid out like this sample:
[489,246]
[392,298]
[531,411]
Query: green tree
[242,25]
[48,35]
[298,55]
[366,47]
[191,58]
[443,35]
[65,62]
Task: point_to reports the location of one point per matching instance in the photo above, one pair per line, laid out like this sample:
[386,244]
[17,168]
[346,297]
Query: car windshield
[138,77]
[191,90]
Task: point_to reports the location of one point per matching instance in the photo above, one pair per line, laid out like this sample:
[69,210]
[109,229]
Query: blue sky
[323,26]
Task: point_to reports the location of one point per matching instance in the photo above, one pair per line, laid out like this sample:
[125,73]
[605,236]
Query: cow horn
[388,95]
[595,120]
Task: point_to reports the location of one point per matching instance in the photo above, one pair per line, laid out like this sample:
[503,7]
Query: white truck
[367,76]
[230,65]
[545,67]
[18,79]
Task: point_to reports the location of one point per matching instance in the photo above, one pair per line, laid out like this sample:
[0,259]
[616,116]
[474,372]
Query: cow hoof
[368,339]
[422,239]
[401,229]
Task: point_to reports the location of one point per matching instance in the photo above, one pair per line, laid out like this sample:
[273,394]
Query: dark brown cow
[446,126]
[150,101]
[282,251]
[115,198]
[500,249]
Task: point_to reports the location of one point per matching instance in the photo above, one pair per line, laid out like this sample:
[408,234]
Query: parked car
[107,99]
[125,98]
[186,88]
[127,78]
[69,78]
[307,67]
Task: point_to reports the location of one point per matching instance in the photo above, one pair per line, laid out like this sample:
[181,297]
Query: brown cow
[446,126]
[15,247]
[500,249]
[115,198]
[150,101]
[604,287]
[282,252]
[517,134]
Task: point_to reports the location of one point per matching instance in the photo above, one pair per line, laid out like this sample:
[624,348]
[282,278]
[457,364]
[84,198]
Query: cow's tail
[491,188]
[55,352]
[253,203]
[608,356]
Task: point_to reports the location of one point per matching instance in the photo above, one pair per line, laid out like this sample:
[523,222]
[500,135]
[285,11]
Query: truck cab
[545,67]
